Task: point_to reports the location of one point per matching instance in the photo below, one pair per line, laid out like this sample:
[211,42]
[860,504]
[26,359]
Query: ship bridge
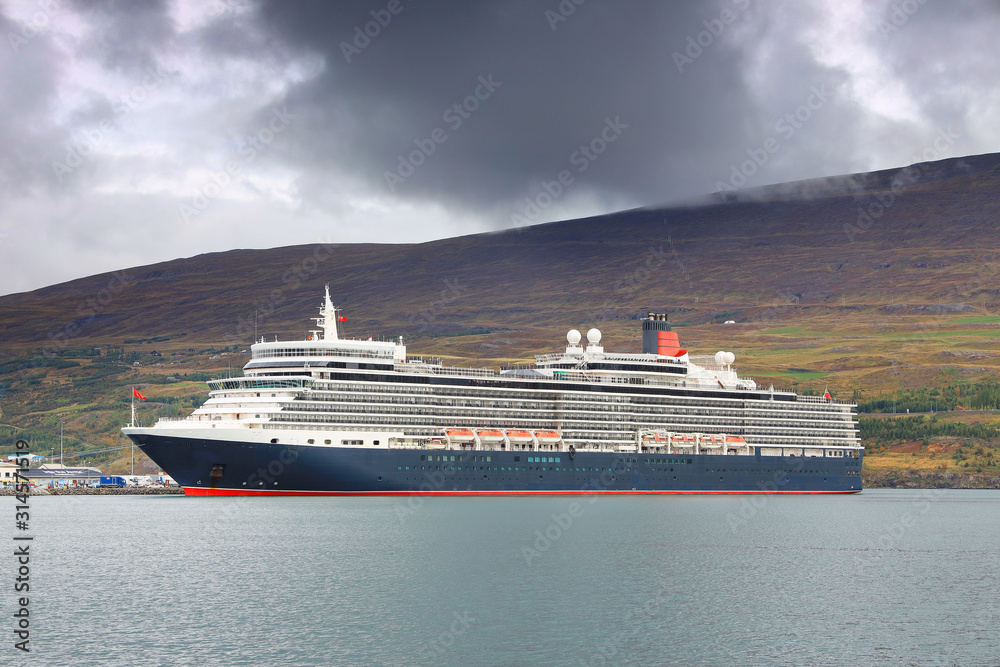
[324,348]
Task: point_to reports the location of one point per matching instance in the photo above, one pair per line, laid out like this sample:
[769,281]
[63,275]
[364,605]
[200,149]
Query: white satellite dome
[594,336]
[723,358]
[573,337]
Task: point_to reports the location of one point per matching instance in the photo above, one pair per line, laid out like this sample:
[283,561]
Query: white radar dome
[594,336]
[719,358]
[730,357]
[573,336]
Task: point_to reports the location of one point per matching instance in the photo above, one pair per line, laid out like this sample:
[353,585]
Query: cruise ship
[330,415]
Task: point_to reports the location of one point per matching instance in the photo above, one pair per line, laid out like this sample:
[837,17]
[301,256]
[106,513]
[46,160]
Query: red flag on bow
[342,318]
[135,392]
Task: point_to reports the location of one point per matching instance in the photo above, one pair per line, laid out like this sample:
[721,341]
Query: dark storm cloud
[575,108]
[558,82]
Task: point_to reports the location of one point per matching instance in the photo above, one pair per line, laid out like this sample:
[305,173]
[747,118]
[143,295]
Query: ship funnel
[657,338]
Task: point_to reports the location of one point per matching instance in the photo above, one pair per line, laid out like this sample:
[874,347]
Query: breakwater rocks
[103,491]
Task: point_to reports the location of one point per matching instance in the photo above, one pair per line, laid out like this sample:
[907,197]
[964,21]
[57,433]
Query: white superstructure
[331,391]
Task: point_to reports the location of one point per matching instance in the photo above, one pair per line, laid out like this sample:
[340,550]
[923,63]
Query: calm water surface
[884,578]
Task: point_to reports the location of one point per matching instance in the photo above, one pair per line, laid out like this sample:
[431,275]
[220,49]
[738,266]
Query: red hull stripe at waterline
[196,491]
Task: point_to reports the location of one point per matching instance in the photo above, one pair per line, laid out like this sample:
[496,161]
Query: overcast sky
[135,132]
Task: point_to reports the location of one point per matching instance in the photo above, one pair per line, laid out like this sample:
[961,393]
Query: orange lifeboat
[548,436]
[519,436]
[655,440]
[436,443]
[489,435]
[460,435]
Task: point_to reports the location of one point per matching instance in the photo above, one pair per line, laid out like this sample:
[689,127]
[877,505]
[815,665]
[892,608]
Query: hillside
[865,283]
[935,242]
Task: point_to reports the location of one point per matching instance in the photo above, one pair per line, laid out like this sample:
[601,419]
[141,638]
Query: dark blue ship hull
[213,467]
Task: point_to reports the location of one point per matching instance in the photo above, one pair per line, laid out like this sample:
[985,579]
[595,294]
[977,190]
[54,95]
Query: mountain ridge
[923,233]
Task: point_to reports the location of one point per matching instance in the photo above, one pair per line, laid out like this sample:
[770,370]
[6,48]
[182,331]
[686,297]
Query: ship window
[274,441]
[310,441]
[375,442]
[422,457]
[326,442]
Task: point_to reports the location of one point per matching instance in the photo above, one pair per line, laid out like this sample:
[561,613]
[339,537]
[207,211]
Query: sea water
[885,577]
